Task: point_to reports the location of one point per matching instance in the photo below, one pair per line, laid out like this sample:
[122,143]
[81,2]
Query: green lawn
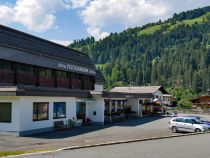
[155,28]
[149,30]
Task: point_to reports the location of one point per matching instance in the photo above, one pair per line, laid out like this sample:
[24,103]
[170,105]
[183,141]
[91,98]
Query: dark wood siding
[24,74]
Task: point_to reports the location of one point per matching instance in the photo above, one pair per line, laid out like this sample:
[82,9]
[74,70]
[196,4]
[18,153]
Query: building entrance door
[81,110]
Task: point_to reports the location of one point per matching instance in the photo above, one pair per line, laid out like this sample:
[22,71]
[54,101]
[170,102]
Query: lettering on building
[75,68]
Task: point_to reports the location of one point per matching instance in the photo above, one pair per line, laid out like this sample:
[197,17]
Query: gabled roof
[20,40]
[139,90]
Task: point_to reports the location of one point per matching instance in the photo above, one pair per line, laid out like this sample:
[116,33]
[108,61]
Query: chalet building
[42,83]
[139,99]
[201,101]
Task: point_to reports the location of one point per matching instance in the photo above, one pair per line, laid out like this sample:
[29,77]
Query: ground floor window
[5,112]
[40,111]
[81,110]
[59,110]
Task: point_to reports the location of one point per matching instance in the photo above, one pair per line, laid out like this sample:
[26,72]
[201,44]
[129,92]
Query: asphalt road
[196,146]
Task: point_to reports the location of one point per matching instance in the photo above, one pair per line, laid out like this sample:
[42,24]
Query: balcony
[6,76]
[63,82]
[45,81]
[26,78]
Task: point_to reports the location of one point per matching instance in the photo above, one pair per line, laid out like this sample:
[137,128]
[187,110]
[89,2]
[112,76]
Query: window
[25,68]
[178,120]
[140,101]
[188,121]
[62,74]
[5,65]
[5,112]
[46,72]
[81,110]
[59,110]
[40,111]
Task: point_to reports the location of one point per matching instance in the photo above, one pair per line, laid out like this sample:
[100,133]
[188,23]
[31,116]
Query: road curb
[128,141]
[109,143]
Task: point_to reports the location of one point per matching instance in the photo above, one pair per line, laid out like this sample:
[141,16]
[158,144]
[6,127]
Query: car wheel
[197,130]
[174,129]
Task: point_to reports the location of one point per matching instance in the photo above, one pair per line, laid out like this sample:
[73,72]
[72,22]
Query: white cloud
[62,42]
[100,14]
[79,3]
[96,33]
[36,15]
[5,14]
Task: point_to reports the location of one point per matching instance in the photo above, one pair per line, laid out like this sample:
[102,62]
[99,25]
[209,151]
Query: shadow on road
[140,121]
[66,133]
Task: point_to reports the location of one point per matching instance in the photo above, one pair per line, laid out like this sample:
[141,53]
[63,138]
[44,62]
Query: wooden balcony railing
[76,84]
[26,78]
[46,81]
[63,82]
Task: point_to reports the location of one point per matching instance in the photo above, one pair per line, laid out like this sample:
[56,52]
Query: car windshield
[202,119]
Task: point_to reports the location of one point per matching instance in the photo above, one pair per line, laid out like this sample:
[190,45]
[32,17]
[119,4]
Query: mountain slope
[171,53]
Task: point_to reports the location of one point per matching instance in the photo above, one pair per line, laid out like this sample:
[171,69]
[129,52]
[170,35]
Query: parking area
[146,127]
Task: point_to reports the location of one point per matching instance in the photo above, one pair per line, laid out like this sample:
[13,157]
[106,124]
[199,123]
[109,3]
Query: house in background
[140,99]
[42,83]
[201,102]
[168,99]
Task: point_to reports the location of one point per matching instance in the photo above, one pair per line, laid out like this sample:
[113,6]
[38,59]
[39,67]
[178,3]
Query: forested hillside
[172,53]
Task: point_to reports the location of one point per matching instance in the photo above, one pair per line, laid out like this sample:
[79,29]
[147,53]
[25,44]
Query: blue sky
[63,21]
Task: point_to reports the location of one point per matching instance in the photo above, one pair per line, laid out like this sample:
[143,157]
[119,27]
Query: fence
[189,111]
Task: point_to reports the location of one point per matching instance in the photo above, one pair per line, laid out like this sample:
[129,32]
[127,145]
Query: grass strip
[20,152]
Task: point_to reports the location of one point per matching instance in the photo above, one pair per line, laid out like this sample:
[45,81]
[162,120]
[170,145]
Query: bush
[185,104]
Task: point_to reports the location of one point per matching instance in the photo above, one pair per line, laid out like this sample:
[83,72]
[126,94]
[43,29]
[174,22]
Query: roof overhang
[50,92]
[127,95]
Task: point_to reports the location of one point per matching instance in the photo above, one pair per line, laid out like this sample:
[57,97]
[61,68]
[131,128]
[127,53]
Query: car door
[188,125]
[179,123]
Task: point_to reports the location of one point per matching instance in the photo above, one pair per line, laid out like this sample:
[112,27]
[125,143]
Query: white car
[186,124]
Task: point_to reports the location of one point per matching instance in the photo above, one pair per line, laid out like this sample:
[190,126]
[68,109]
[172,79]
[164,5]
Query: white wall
[134,103]
[26,111]
[14,125]
[158,93]
[98,107]
[99,87]
[22,112]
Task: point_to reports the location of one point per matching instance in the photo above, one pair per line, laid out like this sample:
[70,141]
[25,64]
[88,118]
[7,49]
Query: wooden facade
[12,73]
[201,101]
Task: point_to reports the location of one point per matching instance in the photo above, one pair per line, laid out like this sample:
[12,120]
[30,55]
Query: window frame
[57,117]
[10,121]
[37,114]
